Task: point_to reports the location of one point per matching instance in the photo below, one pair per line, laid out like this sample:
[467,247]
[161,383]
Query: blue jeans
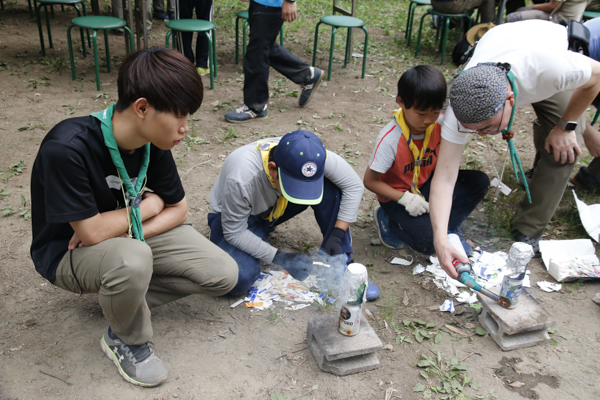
[249,267]
[262,53]
[470,189]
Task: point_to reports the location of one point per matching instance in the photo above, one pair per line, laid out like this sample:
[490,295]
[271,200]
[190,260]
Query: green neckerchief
[135,193]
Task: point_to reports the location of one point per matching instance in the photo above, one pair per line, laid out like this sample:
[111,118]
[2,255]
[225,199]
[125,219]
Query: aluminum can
[511,288]
[350,316]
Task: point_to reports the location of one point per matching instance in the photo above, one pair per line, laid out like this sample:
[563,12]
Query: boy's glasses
[484,131]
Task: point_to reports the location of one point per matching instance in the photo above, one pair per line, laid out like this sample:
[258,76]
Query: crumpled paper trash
[549,286]
[447,306]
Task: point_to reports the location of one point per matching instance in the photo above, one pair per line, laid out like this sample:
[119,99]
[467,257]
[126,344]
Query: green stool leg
[409,24]
[349,35]
[167,39]
[237,40]
[39,21]
[315,46]
[96,61]
[214,49]
[419,36]
[70,45]
[130,38]
[30,9]
[211,65]
[244,40]
[445,38]
[107,52]
[87,30]
[80,29]
[365,51]
[333,29]
[48,25]
[281,36]
[596,116]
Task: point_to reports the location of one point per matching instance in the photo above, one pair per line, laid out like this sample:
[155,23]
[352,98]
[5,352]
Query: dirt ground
[49,338]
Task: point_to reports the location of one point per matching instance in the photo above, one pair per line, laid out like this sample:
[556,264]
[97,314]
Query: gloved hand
[296,264]
[333,246]
[414,204]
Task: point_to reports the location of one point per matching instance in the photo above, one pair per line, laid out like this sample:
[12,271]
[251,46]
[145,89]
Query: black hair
[422,87]
[162,76]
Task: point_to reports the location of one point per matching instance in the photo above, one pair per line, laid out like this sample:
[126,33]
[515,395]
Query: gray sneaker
[137,364]
[310,87]
[245,114]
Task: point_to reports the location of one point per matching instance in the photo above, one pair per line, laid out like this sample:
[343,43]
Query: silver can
[511,288]
[350,316]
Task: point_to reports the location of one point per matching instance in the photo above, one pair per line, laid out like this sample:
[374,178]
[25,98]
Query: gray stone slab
[339,354]
[526,325]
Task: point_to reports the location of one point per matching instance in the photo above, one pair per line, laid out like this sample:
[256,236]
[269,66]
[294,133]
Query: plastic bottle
[355,284]
[518,258]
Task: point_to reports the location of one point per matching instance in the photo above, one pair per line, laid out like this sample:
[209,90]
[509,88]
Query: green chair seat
[45,4]
[590,15]
[95,22]
[244,15]
[445,24]
[341,21]
[190,25]
[412,7]
[99,22]
[201,26]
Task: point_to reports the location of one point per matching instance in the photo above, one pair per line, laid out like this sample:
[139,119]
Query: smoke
[331,279]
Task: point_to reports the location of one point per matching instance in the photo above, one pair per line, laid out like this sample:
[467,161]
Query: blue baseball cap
[300,157]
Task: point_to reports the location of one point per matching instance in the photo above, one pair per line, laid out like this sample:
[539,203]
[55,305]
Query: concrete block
[339,354]
[524,326]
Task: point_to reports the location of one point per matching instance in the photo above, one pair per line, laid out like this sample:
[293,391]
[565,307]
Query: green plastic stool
[45,4]
[589,15]
[244,15]
[197,25]
[412,7]
[445,27]
[341,21]
[95,22]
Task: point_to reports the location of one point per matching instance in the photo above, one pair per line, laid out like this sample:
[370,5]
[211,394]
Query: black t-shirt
[74,178]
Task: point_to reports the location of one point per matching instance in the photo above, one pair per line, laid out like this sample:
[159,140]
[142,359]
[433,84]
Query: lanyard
[507,134]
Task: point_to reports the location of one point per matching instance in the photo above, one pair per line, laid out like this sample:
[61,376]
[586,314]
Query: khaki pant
[131,276]
[550,177]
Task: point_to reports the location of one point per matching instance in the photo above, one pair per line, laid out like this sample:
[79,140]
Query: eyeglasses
[484,131]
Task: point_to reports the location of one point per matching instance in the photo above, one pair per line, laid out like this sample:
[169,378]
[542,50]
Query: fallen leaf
[516,384]
[456,330]
[388,347]
[405,301]
[434,308]
[369,313]
[16,348]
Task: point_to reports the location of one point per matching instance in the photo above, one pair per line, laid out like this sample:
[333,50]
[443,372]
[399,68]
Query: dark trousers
[470,188]
[186,11]
[262,52]
[249,267]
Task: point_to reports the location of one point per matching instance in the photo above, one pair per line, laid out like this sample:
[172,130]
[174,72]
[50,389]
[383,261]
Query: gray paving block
[526,325]
[339,354]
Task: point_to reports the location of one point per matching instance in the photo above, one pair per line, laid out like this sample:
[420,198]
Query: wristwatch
[567,125]
[291,1]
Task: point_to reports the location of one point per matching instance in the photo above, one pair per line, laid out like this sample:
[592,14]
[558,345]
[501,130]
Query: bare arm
[288,11]
[156,216]
[372,182]
[440,200]
[564,143]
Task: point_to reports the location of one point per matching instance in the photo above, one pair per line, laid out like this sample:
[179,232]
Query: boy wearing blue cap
[266,183]
[403,163]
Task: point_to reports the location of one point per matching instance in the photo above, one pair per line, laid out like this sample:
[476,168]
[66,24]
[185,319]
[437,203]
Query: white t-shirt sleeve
[450,128]
[386,146]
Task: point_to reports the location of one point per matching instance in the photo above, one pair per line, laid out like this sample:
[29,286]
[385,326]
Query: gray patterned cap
[479,93]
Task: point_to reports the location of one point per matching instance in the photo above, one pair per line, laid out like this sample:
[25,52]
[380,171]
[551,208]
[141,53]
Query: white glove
[414,204]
